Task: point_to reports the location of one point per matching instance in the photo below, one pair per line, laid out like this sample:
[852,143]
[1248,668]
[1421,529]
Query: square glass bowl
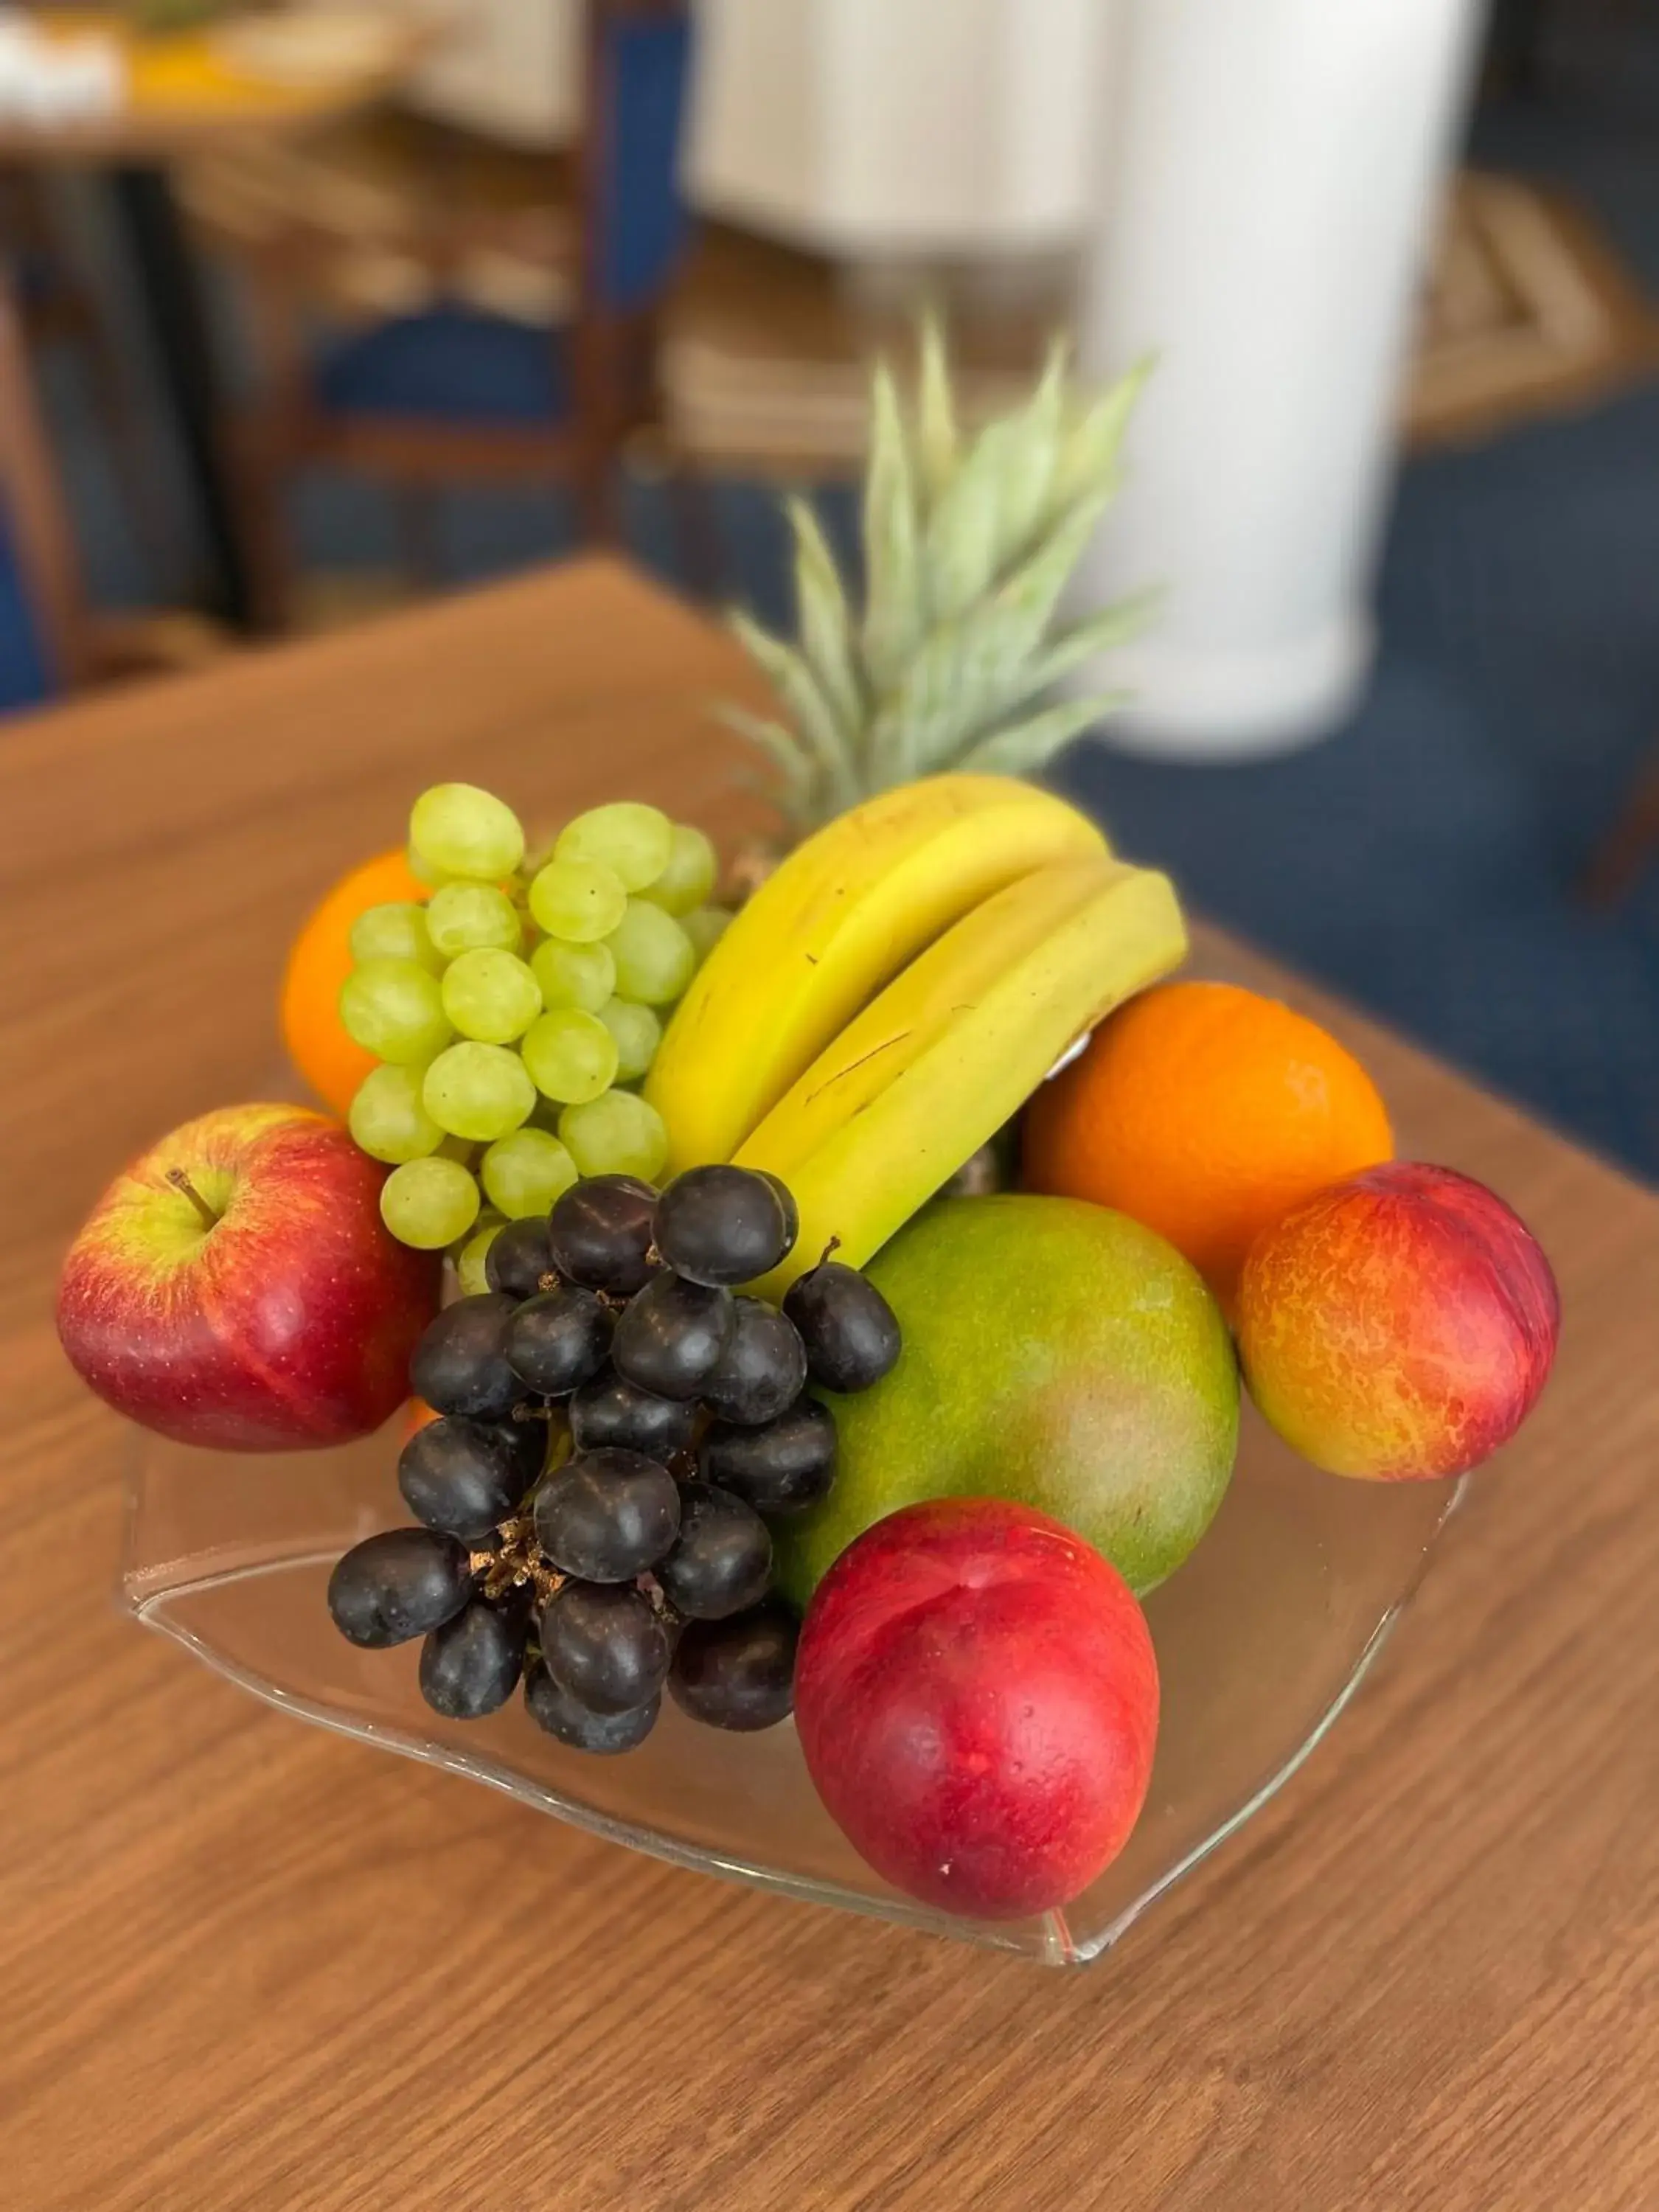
[1262,1638]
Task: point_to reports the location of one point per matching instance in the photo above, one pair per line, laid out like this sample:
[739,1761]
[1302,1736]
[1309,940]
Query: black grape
[780,1469]
[398,1585]
[552,1707]
[670,1338]
[723,1225]
[762,1369]
[558,1339]
[738,1674]
[470,1666]
[850,1331]
[721,1561]
[458,1365]
[462,1477]
[607,1516]
[600,1233]
[603,1644]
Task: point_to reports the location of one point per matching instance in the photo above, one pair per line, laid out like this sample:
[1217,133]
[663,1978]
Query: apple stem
[182,1183]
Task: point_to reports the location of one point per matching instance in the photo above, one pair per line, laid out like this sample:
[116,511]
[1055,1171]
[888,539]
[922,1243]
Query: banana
[864,1178]
[911,1016]
[835,922]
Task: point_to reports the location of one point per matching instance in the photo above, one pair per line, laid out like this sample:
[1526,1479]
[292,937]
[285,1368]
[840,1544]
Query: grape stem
[182,1183]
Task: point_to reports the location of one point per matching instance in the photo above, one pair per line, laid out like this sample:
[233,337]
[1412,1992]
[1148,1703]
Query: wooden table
[183,97]
[184,92]
[249,1968]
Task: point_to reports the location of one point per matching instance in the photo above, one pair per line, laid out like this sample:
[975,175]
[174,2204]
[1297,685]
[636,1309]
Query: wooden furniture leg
[1628,847]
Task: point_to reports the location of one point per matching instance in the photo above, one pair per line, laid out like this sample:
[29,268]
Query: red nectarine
[977,1697]
[1400,1323]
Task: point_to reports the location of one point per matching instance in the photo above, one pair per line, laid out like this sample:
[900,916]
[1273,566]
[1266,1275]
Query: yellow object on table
[183,87]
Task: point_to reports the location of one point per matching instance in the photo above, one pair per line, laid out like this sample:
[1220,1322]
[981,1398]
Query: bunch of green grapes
[517,1010]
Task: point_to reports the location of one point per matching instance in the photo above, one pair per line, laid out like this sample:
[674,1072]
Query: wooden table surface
[186,95]
[247,1967]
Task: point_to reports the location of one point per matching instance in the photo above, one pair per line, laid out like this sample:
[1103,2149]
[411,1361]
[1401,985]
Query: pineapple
[969,546]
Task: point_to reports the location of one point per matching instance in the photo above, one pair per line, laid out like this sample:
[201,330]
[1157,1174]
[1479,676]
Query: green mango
[1056,1354]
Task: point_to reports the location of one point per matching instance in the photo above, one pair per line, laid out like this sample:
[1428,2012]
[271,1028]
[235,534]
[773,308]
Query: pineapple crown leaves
[969,546]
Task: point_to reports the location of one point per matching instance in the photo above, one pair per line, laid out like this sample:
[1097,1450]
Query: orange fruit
[1206,1112]
[318,963]
[415,1416]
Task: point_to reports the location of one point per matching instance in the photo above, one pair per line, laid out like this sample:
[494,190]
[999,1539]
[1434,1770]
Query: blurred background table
[249,1967]
[186,93]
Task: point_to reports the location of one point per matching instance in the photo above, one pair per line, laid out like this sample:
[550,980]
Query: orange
[319,963]
[1206,1112]
[416,1414]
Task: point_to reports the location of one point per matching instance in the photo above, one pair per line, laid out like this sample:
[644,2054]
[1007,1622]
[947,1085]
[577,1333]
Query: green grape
[526,1172]
[470,1261]
[638,1033]
[479,1092]
[705,926]
[582,975]
[455,1148]
[578,901]
[396,930]
[617,1133]
[571,1055]
[654,957]
[429,1203]
[633,840]
[688,877]
[471,918]
[490,995]
[387,1119]
[464,831]
[394,1010]
[425,871]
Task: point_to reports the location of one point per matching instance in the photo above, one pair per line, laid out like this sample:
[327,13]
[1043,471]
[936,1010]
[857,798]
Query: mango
[1057,1355]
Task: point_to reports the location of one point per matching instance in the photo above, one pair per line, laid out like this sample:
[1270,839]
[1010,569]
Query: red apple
[237,1288]
[977,1697]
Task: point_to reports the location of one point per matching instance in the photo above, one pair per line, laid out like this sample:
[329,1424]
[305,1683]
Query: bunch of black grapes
[643,1558]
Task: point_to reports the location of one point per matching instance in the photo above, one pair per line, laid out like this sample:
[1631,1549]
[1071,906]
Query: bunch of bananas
[894,994]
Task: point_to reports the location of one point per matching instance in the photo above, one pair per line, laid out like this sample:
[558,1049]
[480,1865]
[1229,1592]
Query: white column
[1271,197]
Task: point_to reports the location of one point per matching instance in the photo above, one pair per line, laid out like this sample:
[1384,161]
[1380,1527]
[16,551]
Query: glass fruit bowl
[1261,1637]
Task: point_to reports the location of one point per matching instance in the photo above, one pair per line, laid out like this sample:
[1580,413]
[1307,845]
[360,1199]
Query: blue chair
[27,676]
[42,619]
[453,392]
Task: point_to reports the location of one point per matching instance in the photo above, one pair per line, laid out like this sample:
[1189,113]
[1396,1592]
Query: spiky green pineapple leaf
[894,607]
[969,544]
[797,790]
[1024,747]
[1032,459]
[996,503]
[1114,626]
[980,666]
[938,440]
[826,625]
[1026,599]
[817,733]
[976,675]
[1091,452]
[962,544]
